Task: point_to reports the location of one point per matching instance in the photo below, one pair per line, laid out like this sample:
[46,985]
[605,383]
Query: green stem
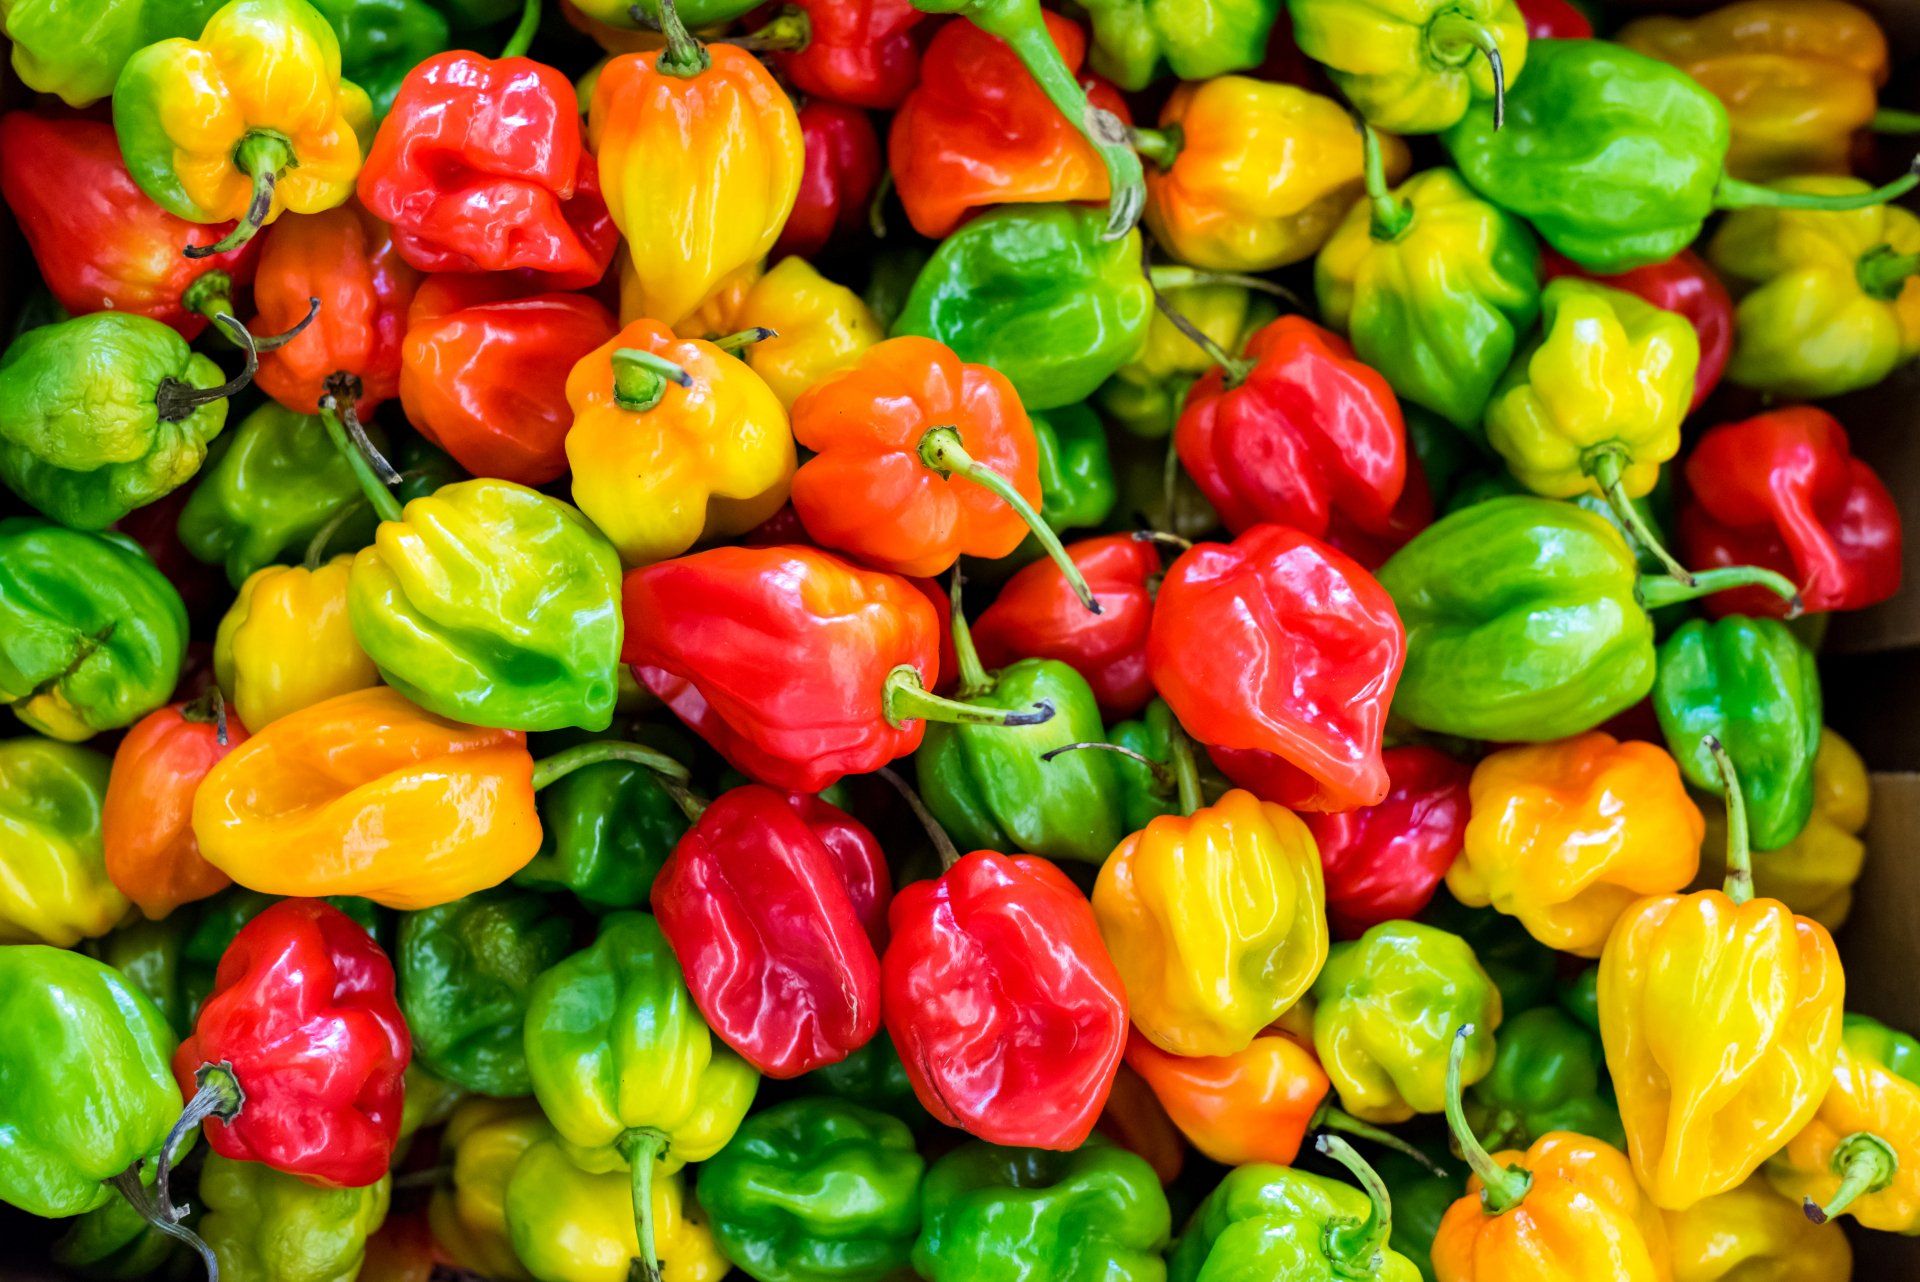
[903,698]
[974,677]
[1731,193]
[1865,1164]
[1361,1245]
[561,764]
[128,1185]
[1391,215]
[684,56]
[522,38]
[217,1094]
[323,537]
[942,844]
[941,449]
[174,399]
[210,294]
[261,155]
[209,709]
[1606,464]
[337,414]
[1233,369]
[642,1147]
[734,344]
[1175,277]
[640,378]
[1329,1118]
[1739,883]
[1883,272]
[1165,781]
[1453,37]
[1891,120]
[790,31]
[1030,42]
[1161,146]
[1501,1187]
[1186,771]
[877,207]
[1656,590]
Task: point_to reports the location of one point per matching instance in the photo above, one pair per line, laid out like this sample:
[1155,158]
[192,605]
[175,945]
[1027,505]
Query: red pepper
[1683,284]
[101,243]
[298,1057]
[482,165]
[1037,615]
[1299,433]
[484,367]
[775,905]
[1280,643]
[838,175]
[1783,490]
[978,131]
[1383,862]
[1002,1001]
[1555,20]
[146,821]
[864,53]
[1412,514]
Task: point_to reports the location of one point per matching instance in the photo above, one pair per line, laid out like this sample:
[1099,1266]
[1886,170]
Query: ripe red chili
[838,174]
[1383,862]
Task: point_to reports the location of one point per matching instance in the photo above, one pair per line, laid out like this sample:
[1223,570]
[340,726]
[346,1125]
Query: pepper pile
[622,676]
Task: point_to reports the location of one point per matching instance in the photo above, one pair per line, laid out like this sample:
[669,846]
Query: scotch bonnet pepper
[839,173]
[1254,1105]
[1145,395]
[1415,66]
[1382,862]
[146,817]
[1753,1231]
[1861,1152]
[811,327]
[76,54]
[606,829]
[1135,43]
[1685,284]
[1548,1075]
[572,1224]
[861,53]
[483,1142]
[264,1226]
[287,643]
[59,888]
[382,40]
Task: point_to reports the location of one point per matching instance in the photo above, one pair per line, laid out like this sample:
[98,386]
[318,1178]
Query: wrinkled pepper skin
[484,1140]
[815,1190]
[1750,684]
[1254,1105]
[1382,862]
[59,887]
[1414,66]
[264,1226]
[820,328]
[1265,1221]
[1095,1214]
[286,643]
[1388,1005]
[1548,1075]
[1875,1096]
[146,817]
[606,829]
[92,637]
[861,53]
[572,1224]
[1566,836]
[1685,284]
[1200,981]
[1002,1001]
[78,55]
[1752,1234]
[1135,42]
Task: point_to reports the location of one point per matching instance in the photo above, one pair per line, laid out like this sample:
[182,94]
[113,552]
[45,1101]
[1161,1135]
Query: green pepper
[77,50]
[605,831]
[382,40]
[55,888]
[1415,66]
[464,970]
[993,787]
[1547,1075]
[1034,292]
[1135,42]
[1076,474]
[815,1190]
[873,1076]
[267,1226]
[468,14]
[1520,966]
[148,955]
[1651,509]
[1144,791]
[1617,159]
[1749,684]
[1273,1222]
[112,1241]
[1421,1197]
[273,485]
[92,635]
[1527,620]
[1579,997]
[1095,1214]
[105,413]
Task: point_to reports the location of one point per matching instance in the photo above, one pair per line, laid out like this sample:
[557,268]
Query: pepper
[382,40]
[1435,286]
[1388,1003]
[91,636]
[873,1076]
[625,1068]
[1278,643]
[1829,302]
[1416,66]
[1035,293]
[286,642]
[1684,284]
[1382,862]
[673,440]
[1077,488]
[1548,1075]
[1421,1196]
[485,1140]
[571,1224]
[1135,42]
[112,1241]
[1752,1234]
[1861,1152]
[700,157]
[840,166]
[861,53]
[1144,396]
[264,1226]
[606,830]
[1566,836]
[1268,1221]
[1555,20]
[1096,1211]
[1747,685]
[1783,490]
[1521,967]
[78,55]
[1496,650]
[815,1190]
[59,888]
[775,906]
[818,328]
[1254,1105]
[105,413]
[146,830]
[1615,158]
[212,136]
[979,131]
[483,372]
[402,1249]
[1134,1120]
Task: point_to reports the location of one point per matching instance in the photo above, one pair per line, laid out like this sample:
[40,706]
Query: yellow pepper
[720,313]
[819,328]
[1145,395]
[1565,836]
[1829,300]
[571,1225]
[285,643]
[1861,1152]
[1797,77]
[1216,920]
[1752,1234]
[486,1138]
[54,887]
[674,440]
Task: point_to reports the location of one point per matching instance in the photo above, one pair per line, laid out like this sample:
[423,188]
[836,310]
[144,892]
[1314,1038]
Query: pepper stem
[1161,146]
[261,155]
[175,398]
[1731,193]
[974,677]
[128,1185]
[218,1094]
[1891,120]
[1501,1187]
[640,378]
[1656,590]
[209,708]
[1865,1164]
[522,38]
[1739,883]
[1329,1118]
[1453,37]
[942,844]
[323,537]
[684,56]
[905,698]
[561,764]
[1186,770]
[210,294]
[1165,781]
[877,207]
[734,344]
[1606,464]
[941,449]
[1883,272]
[1175,277]
[1233,369]
[1391,215]
[642,1147]
[274,342]
[343,425]
[789,31]
[1361,1244]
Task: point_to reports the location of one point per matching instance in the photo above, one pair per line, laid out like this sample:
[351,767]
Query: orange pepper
[145,822]
[1254,1105]
[1135,1120]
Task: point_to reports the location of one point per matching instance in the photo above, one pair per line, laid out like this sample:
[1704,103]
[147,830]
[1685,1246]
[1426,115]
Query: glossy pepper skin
[455,804]
[1254,1105]
[1095,1212]
[1135,42]
[483,372]
[1415,66]
[484,1141]
[211,136]
[1752,1234]
[464,970]
[839,173]
[1145,395]
[1783,490]
[1199,981]
[775,905]
[1829,302]
[659,464]
[1750,685]
[59,889]
[1685,284]
[286,643]
[302,985]
[382,40]
[820,328]
[573,1224]
[1565,836]
[78,55]
[265,1226]
[1382,862]
[1548,1075]
[1035,293]
[606,829]
[146,818]
[1002,1001]
[1858,1153]
[978,131]
[1387,1007]
[1277,642]
[815,1190]
[861,53]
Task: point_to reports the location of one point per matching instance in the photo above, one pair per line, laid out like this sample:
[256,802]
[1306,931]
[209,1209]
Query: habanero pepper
[287,643]
[1752,1234]
[814,327]
[264,1226]
[483,1141]
[1548,1075]
[839,172]
[1555,20]
[1860,1155]
[78,54]
[861,53]
[1135,43]
[146,818]
[605,831]
[1255,1105]
[1382,862]
[1684,284]
[569,1223]
[1415,66]
[1145,395]
[382,40]
[58,889]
